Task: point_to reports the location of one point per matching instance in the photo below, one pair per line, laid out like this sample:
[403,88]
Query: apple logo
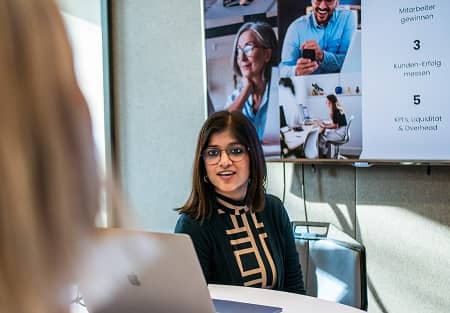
[134,279]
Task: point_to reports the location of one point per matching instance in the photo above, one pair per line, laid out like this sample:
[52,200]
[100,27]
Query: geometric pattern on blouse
[249,242]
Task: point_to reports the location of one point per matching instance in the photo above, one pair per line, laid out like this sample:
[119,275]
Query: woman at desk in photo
[254,54]
[242,235]
[333,129]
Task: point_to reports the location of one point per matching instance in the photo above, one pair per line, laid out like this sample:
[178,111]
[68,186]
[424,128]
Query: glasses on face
[318,2]
[248,50]
[235,152]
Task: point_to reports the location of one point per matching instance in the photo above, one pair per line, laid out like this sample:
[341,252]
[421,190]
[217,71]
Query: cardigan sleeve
[293,277]
[202,244]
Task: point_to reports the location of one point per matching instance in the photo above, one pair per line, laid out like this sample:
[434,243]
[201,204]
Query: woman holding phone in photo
[333,129]
[254,54]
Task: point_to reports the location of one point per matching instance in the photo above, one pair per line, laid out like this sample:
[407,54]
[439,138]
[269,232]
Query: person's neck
[259,86]
[239,201]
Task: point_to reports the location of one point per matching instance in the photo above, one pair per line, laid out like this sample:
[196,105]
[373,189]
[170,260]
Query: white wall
[88,10]
[82,23]
[159,93]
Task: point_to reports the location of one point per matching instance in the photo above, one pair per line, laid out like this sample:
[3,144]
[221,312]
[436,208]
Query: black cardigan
[216,254]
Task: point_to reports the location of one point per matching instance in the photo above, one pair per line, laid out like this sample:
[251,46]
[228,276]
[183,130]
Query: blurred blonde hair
[49,191]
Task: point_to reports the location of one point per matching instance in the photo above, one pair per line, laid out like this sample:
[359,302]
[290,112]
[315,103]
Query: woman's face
[329,104]
[230,178]
[252,62]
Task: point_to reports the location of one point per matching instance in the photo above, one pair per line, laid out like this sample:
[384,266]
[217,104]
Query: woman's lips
[226,175]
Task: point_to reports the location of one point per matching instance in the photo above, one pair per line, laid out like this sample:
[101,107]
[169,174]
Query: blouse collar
[231,206]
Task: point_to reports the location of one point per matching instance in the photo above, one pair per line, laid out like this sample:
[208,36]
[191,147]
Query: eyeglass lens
[247,50]
[235,153]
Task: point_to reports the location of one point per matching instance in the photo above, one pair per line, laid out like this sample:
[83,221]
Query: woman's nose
[243,56]
[224,159]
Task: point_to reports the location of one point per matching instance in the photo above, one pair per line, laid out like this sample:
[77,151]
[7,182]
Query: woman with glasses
[254,55]
[242,235]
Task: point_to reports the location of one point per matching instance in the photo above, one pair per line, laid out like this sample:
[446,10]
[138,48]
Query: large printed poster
[330,79]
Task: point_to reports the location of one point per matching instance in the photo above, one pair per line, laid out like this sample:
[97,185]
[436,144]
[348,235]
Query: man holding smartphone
[318,42]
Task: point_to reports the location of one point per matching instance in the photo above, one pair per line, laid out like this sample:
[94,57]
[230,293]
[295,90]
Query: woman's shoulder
[188,223]
[273,203]
[200,230]
[272,198]
[275,211]
[186,218]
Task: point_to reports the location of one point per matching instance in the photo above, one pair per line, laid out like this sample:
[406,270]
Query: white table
[290,302]
[294,139]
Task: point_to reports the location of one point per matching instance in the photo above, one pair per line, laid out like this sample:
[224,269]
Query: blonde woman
[333,129]
[50,186]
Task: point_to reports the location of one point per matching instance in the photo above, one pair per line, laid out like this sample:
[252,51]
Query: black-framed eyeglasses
[248,50]
[235,152]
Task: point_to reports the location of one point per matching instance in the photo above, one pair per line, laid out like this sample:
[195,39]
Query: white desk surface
[294,139]
[291,303]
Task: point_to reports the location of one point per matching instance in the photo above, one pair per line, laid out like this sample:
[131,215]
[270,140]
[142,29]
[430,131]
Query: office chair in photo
[311,146]
[337,143]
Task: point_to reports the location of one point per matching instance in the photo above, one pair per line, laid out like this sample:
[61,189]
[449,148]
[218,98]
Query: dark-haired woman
[242,235]
[335,129]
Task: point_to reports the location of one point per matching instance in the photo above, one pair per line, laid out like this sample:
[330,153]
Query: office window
[86,39]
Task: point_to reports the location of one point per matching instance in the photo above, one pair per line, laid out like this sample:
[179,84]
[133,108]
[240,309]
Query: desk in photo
[290,302]
[294,140]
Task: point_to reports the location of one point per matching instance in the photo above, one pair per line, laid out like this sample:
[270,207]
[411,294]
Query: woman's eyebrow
[252,43]
[229,144]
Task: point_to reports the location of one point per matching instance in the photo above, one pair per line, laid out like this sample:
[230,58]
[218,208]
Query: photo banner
[355,80]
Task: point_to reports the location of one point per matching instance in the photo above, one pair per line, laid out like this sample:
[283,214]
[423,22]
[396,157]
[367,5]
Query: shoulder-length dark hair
[335,102]
[265,37]
[200,203]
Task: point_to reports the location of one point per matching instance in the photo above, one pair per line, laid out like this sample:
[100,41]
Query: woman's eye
[212,153]
[236,150]
[248,49]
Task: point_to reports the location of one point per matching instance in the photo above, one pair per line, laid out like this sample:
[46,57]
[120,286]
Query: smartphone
[309,54]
